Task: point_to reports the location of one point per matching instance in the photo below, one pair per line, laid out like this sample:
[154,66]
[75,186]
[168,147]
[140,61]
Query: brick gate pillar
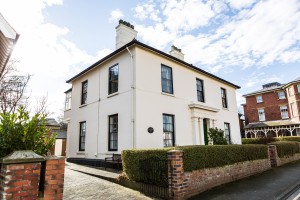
[20,175]
[176,174]
[273,155]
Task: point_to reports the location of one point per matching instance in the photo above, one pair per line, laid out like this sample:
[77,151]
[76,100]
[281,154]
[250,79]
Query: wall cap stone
[175,151]
[25,156]
[54,158]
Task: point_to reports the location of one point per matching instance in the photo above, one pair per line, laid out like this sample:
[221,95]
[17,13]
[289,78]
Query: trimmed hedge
[286,148]
[136,170]
[195,157]
[265,140]
[199,157]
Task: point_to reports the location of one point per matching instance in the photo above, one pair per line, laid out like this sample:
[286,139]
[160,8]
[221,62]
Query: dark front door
[205,131]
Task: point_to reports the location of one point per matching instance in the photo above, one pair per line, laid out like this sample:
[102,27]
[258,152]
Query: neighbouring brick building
[273,110]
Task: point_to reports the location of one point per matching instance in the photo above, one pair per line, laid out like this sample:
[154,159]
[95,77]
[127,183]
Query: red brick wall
[20,181]
[183,185]
[54,178]
[271,105]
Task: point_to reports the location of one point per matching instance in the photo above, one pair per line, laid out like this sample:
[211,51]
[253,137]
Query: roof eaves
[134,41]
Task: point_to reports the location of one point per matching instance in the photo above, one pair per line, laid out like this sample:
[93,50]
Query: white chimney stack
[176,52]
[125,33]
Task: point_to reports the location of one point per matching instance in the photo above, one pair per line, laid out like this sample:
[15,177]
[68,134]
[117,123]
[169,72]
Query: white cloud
[43,50]
[115,15]
[239,4]
[147,11]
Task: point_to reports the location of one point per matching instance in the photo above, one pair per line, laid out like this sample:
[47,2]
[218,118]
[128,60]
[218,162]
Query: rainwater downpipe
[98,117]
[133,99]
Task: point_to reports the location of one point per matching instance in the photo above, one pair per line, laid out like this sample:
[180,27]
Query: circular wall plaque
[150,130]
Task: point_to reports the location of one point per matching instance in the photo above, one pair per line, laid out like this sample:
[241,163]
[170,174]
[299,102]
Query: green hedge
[199,157]
[265,140]
[195,157]
[137,168]
[286,148]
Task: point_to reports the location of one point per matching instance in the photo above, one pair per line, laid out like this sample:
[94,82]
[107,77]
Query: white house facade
[140,97]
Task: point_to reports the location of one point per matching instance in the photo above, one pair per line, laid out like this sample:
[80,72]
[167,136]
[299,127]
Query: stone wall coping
[54,158]
[175,151]
[24,156]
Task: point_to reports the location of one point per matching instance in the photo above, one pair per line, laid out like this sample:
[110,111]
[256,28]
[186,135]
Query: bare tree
[12,88]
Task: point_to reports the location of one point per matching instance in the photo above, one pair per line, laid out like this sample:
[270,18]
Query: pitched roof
[136,42]
[264,90]
[271,123]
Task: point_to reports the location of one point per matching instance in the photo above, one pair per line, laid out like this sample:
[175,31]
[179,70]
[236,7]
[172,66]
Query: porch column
[195,122]
[202,141]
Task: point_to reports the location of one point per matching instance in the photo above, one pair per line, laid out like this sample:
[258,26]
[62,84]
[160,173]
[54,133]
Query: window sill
[83,105]
[114,150]
[167,94]
[259,102]
[113,94]
[80,152]
[68,109]
[225,108]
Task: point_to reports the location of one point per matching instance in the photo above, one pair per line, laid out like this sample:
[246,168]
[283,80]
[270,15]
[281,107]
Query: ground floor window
[82,134]
[113,133]
[168,130]
[227,132]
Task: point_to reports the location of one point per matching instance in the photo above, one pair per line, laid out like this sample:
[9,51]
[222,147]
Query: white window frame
[284,112]
[68,100]
[280,96]
[259,99]
[293,109]
[291,91]
[298,86]
[261,115]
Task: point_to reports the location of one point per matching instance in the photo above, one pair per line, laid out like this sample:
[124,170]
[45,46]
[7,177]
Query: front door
[205,131]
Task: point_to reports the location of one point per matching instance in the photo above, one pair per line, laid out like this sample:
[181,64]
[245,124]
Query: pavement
[281,183]
[86,183]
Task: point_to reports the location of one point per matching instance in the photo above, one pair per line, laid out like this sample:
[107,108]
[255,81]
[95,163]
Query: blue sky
[247,42]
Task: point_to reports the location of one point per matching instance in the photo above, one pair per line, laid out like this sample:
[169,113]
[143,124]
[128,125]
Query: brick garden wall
[183,185]
[277,161]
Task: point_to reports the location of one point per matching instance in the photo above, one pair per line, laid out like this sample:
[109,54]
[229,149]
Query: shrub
[137,165]
[19,131]
[199,157]
[194,157]
[216,136]
[286,148]
[289,138]
[260,140]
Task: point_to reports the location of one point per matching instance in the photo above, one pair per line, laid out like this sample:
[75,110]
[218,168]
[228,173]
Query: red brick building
[273,111]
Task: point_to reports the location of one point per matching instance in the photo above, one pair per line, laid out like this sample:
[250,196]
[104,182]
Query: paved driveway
[82,186]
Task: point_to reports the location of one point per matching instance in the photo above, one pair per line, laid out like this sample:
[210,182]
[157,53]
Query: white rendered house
[140,97]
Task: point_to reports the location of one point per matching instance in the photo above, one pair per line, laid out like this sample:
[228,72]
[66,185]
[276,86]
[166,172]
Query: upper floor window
[281,95]
[113,81]
[298,86]
[68,100]
[200,90]
[259,99]
[84,92]
[113,133]
[168,130]
[166,79]
[261,115]
[284,112]
[227,132]
[82,134]
[224,98]
[293,109]
[291,91]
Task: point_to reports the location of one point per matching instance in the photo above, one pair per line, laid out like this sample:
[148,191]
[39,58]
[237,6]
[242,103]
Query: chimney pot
[125,33]
[176,52]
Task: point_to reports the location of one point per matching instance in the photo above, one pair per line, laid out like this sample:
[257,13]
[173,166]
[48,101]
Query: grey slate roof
[264,90]
[51,122]
[61,134]
[136,42]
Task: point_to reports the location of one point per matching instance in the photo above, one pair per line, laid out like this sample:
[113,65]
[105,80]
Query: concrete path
[83,186]
[277,183]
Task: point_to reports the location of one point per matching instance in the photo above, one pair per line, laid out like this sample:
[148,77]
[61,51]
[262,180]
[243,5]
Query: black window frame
[228,139]
[224,98]
[84,92]
[165,80]
[82,135]
[172,132]
[111,80]
[200,91]
[110,132]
